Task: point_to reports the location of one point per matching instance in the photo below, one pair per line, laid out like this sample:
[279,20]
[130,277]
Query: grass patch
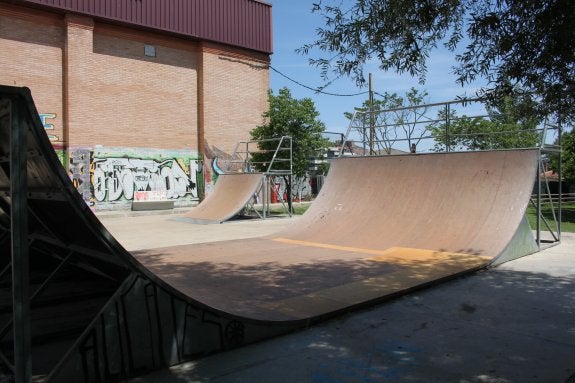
[567,217]
[280,210]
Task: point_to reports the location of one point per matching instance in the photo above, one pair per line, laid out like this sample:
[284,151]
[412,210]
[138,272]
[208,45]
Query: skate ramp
[381,227]
[468,203]
[230,195]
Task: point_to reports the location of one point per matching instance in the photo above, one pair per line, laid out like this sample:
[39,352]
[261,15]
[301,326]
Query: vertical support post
[20,255]
[371,119]
[539,201]
[560,175]
[247,159]
[265,189]
[289,190]
[447,122]
[201,116]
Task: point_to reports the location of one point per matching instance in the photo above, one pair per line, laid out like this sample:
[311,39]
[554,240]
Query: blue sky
[294,25]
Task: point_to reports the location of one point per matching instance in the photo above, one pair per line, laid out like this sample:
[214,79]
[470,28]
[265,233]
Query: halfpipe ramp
[230,195]
[382,226]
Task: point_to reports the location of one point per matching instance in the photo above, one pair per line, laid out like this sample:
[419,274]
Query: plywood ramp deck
[230,195]
[380,226]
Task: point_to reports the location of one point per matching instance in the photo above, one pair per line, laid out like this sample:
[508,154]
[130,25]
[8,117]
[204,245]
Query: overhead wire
[317,90]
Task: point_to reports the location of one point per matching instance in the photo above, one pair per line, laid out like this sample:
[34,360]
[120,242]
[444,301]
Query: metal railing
[433,128]
[273,157]
[251,156]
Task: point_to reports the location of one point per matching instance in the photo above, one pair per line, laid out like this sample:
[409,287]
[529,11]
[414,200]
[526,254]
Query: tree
[567,160]
[507,42]
[511,123]
[392,123]
[291,117]
[295,118]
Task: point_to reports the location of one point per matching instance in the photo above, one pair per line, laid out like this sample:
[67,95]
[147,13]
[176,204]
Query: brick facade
[99,84]
[103,90]
[32,46]
[235,96]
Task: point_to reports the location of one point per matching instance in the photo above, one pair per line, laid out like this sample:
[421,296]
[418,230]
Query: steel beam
[20,253]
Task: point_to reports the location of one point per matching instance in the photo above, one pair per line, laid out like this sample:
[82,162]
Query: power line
[317,90]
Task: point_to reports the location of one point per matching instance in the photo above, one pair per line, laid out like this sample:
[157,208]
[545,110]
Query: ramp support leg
[20,254]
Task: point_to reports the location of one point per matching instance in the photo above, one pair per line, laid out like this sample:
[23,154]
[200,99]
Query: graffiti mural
[117,177]
[44,117]
[110,178]
[301,188]
[80,161]
[118,173]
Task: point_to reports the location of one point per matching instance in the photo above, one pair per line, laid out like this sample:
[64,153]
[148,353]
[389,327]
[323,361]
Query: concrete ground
[513,323]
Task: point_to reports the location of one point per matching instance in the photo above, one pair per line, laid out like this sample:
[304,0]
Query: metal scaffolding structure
[274,158]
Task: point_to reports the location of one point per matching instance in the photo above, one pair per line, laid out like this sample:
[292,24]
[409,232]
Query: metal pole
[539,201]
[447,143]
[20,255]
[371,119]
[560,175]
[265,187]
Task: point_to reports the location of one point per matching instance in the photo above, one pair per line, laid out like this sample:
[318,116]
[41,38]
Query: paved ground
[514,323]
[148,230]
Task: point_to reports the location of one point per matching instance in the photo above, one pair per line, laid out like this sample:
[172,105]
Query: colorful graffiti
[111,177]
[301,188]
[80,161]
[44,117]
[119,172]
[117,177]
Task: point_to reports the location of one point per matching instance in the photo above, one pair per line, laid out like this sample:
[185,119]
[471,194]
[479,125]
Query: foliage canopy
[513,44]
[395,129]
[567,160]
[298,119]
[511,122]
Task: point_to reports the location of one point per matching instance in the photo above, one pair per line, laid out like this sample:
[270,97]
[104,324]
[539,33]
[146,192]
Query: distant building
[140,92]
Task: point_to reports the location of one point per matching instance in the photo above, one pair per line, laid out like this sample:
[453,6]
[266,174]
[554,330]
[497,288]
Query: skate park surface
[510,323]
[333,259]
[135,293]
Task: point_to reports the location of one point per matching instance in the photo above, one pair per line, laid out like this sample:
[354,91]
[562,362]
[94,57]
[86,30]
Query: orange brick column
[78,47]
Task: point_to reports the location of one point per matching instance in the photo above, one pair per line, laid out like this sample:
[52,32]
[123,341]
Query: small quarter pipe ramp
[382,226]
[230,195]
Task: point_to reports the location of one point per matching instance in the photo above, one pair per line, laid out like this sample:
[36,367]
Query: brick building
[138,95]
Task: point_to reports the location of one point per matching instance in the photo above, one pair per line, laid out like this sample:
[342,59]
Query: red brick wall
[104,90]
[123,98]
[235,96]
[31,56]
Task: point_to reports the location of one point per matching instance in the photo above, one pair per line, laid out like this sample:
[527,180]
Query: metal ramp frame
[543,197]
[244,158]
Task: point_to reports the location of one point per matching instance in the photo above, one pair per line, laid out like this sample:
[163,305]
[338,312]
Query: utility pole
[371,119]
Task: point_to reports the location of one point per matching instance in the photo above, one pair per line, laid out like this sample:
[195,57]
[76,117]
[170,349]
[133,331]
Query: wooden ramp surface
[380,226]
[230,195]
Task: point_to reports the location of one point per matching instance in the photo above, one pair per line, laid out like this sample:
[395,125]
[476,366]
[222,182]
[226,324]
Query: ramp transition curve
[381,226]
[231,193]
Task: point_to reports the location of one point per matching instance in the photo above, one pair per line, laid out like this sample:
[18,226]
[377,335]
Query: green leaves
[530,44]
[296,118]
[511,123]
